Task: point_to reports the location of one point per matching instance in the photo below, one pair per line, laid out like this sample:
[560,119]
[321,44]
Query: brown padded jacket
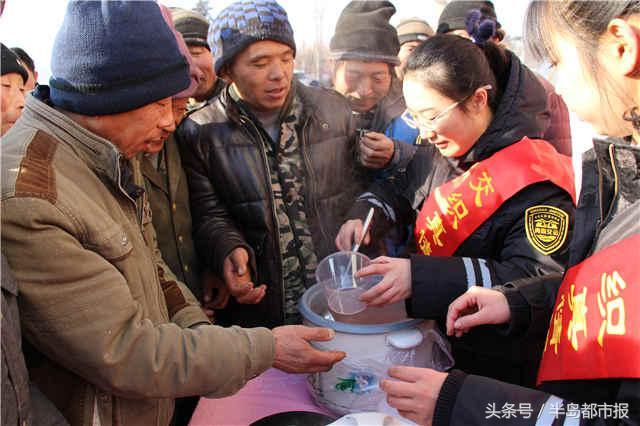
[106,320]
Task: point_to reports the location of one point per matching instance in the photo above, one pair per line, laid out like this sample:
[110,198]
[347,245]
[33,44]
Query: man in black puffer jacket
[272,169]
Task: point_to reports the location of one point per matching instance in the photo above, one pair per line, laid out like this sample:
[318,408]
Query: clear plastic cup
[336,273]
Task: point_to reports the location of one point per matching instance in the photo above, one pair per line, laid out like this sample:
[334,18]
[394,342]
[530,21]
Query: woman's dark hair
[456,67]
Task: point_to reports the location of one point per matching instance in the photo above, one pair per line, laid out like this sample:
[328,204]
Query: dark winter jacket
[168,194]
[231,197]
[608,212]
[499,250]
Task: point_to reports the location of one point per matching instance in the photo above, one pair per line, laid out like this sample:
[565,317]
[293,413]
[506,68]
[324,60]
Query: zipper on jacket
[137,214]
[616,185]
[246,121]
[119,157]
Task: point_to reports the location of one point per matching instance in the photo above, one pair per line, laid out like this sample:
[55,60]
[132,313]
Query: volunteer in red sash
[590,368]
[490,201]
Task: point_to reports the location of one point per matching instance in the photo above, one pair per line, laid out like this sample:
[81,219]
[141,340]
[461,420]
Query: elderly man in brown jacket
[113,336]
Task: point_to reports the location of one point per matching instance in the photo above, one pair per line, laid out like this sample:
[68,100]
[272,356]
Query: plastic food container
[351,386]
[336,274]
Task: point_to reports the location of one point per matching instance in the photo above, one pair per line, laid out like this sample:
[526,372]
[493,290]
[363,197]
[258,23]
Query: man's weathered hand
[211,283]
[376,150]
[294,354]
[237,278]
[350,233]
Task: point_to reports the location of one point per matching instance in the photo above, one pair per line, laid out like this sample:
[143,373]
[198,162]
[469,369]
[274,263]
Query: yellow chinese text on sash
[455,209]
[594,332]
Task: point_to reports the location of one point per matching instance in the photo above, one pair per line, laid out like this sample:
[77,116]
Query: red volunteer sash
[594,332]
[455,209]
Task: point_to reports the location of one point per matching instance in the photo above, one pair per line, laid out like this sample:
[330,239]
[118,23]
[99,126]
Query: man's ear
[622,46]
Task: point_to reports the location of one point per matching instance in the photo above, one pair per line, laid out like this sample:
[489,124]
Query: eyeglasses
[429,124]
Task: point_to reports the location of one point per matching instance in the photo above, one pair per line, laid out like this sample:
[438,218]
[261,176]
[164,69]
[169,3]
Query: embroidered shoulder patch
[546,228]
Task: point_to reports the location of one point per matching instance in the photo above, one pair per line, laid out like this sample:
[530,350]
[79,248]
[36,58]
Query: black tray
[295,418]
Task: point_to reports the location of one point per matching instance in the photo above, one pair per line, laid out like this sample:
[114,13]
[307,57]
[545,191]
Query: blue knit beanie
[114,56]
[245,22]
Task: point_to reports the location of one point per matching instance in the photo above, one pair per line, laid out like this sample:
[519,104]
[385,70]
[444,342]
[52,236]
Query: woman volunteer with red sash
[494,203]
[590,368]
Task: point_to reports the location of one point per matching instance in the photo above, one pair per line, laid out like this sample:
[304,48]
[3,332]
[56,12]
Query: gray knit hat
[245,22]
[193,26]
[413,29]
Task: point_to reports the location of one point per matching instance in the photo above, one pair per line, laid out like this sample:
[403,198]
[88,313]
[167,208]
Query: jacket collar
[150,172]
[170,156]
[98,153]
[618,163]
[610,181]
[235,106]
[217,88]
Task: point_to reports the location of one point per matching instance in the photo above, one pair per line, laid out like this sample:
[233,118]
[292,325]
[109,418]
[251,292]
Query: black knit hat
[246,22]
[193,26]
[363,33]
[10,63]
[455,13]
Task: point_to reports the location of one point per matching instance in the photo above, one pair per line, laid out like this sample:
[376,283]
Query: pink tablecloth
[272,392]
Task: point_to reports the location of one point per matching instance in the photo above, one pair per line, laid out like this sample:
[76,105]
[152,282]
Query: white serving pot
[351,386]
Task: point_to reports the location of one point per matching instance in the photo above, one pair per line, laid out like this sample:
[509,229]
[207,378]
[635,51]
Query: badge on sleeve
[546,228]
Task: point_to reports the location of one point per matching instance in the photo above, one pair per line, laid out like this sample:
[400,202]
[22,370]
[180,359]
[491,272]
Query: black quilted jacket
[231,200]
